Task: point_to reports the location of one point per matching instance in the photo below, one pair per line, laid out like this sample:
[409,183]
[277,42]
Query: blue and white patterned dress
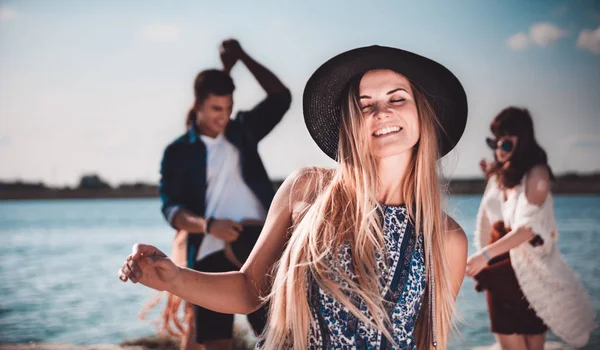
[403,285]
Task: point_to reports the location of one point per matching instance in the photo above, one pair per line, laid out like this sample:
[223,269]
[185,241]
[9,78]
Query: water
[59,262]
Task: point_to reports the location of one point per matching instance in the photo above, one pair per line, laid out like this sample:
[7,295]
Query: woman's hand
[475,264]
[150,267]
[486,166]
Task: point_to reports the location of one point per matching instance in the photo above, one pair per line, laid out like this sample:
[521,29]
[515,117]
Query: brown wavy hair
[514,121]
[210,81]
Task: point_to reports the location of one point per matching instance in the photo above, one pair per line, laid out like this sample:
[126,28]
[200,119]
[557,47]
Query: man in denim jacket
[213,179]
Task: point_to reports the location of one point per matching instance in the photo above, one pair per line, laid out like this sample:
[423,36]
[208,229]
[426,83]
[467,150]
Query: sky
[103,86]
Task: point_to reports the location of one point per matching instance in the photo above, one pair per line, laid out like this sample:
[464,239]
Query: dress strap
[432,326]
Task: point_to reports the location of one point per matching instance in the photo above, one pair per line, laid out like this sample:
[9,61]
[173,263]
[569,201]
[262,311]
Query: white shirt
[490,212]
[227,195]
[551,287]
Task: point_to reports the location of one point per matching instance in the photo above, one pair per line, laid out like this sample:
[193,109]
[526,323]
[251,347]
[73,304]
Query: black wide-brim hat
[323,93]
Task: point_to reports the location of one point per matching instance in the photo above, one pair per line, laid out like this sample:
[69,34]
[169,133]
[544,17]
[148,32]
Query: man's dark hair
[210,81]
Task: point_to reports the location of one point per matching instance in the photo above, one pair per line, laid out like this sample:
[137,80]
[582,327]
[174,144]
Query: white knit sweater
[553,290]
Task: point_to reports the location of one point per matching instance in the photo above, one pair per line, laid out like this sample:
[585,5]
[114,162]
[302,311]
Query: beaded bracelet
[485,255]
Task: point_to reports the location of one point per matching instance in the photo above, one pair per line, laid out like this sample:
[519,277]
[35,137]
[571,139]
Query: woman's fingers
[122,275]
[139,249]
[131,269]
[135,270]
[126,272]
[472,271]
[469,270]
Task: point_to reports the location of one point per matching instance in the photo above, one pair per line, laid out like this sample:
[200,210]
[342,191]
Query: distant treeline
[90,186]
[93,186]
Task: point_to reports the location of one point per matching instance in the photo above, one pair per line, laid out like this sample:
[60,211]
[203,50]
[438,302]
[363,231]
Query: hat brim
[321,99]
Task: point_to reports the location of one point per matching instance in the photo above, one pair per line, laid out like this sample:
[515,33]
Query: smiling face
[390,112]
[213,114]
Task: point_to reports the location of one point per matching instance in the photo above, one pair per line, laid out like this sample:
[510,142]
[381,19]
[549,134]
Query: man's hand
[227,230]
[230,52]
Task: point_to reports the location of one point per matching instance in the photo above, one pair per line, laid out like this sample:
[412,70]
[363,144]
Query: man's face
[213,114]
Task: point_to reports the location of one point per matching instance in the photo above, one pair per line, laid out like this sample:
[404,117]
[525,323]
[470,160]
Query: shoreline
[566,184]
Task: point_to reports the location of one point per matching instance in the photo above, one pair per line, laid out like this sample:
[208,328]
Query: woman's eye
[398,100]
[363,108]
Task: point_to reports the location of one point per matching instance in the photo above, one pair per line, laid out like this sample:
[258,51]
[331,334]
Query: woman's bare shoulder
[537,184]
[456,239]
[305,185]
[455,249]
[307,182]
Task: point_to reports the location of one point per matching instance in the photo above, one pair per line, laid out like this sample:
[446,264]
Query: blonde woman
[361,256]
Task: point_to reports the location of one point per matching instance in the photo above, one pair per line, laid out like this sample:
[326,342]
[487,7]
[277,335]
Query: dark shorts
[510,312]
[211,325]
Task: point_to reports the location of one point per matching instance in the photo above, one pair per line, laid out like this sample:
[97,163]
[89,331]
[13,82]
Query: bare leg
[188,340]
[220,344]
[511,341]
[535,342]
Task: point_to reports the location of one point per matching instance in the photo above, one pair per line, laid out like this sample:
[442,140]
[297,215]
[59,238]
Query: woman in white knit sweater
[528,285]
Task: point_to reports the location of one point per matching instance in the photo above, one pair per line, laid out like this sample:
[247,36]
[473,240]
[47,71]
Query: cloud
[160,33]
[518,41]
[583,141]
[545,33]
[541,34]
[589,40]
[7,14]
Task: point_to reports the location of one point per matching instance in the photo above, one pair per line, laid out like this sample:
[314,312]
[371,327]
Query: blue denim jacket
[183,167]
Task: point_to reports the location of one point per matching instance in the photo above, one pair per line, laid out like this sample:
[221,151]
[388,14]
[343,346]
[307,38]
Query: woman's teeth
[388,130]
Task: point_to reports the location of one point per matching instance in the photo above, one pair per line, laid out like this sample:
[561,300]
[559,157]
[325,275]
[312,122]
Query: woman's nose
[381,111]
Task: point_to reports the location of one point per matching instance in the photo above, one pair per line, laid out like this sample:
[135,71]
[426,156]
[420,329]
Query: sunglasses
[505,145]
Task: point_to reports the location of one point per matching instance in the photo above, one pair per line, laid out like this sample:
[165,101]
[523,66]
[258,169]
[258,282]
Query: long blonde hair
[345,209]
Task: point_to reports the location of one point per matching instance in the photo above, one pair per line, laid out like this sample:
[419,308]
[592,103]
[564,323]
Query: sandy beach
[51,346]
